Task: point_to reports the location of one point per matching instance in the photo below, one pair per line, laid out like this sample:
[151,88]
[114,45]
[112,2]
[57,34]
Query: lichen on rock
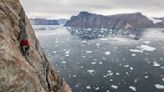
[18,73]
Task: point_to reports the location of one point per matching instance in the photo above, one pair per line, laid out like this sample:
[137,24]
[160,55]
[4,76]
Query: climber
[23,37]
[24,43]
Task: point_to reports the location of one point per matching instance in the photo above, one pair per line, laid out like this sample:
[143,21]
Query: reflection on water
[110,63]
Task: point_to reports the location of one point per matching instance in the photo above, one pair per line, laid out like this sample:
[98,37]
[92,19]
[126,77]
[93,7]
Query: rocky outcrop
[18,73]
[42,21]
[120,21]
[160,24]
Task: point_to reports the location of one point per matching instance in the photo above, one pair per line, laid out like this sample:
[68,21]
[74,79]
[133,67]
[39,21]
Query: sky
[56,9]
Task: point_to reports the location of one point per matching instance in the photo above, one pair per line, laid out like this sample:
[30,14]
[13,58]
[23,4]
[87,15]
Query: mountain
[42,21]
[19,73]
[120,21]
[62,21]
[160,24]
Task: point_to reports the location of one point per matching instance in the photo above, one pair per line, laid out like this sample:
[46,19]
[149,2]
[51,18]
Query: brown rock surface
[18,73]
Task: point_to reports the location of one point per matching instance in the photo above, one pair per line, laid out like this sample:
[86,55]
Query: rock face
[160,24]
[120,21]
[42,21]
[18,73]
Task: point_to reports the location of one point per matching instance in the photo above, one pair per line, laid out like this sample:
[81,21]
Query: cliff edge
[18,73]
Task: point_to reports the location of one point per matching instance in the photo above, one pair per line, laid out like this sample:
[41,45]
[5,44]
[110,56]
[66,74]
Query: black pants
[24,50]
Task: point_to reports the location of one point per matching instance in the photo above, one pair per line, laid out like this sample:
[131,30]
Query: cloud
[67,8]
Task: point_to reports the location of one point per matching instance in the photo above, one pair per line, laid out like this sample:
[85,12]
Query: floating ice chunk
[97,44]
[74,76]
[162,79]
[146,77]
[109,71]
[89,51]
[147,48]
[107,91]
[93,63]
[131,68]
[107,53]
[88,87]
[67,52]
[132,35]
[136,50]
[147,42]
[103,58]
[84,41]
[64,62]
[159,86]
[76,86]
[117,73]
[100,63]
[156,64]
[114,86]
[91,71]
[133,55]
[54,52]
[98,88]
[111,80]
[126,66]
[132,88]
[104,76]
[88,29]
[103,39]
[127,73]
[135,80]
[83,56]
[110,74]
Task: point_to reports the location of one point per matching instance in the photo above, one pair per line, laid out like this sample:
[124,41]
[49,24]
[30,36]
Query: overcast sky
[66,8]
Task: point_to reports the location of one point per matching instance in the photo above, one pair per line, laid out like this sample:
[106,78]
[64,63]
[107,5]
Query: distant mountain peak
[118,21]
[84,13]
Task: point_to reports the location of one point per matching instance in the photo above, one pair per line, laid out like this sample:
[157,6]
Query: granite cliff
[18,73]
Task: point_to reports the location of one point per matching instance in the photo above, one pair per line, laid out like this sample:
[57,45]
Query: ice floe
[142,48]
[147,42]
[162,79]
[91,71]
[54,52]
[89,52]
[132,88]
[156,64]
[107,53]
[88,87]
[93,63]
[146,48]
[136,50]
[114,86]
[133,55]
[97,88]
[64,62]
[146,77]
[159,86]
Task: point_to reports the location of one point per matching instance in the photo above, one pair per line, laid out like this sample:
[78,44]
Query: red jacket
[24,43]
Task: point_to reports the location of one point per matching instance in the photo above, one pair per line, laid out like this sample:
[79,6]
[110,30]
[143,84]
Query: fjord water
[113,63]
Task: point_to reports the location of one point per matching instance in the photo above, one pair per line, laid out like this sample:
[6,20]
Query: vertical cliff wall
[18,73]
